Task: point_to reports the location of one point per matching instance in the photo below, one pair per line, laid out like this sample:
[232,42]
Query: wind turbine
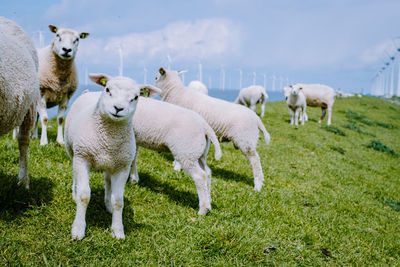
[265,81]
[222,78]
[273,82]
[390,87]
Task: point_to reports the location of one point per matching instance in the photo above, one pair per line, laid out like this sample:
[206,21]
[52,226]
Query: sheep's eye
[76,40]
[136,97]
[108,91]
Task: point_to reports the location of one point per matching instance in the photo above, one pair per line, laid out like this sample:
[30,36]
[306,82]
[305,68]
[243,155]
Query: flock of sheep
[104,130]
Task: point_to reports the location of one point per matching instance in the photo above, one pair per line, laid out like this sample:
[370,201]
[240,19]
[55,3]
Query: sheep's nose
[117,109]
[67,50]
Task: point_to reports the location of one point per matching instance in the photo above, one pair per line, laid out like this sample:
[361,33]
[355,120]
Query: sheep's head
[294,90]
[120,96]
[167,76]
[65,44]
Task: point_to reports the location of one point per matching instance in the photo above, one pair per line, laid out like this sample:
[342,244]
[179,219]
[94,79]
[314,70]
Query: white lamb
[251,96]
[198,86]
[230,122]
[58,77]
[164,127]
[318,95]
[99,135]
[296,102]
[19,88]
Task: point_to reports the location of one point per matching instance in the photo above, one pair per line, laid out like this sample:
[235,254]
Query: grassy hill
[331,197]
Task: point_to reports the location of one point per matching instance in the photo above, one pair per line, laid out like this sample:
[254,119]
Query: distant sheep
[296,102]
[165,127]
[252,95]
[230,122]
[19,88]
[99,135]
[198,86]
[318,95]
[58,77]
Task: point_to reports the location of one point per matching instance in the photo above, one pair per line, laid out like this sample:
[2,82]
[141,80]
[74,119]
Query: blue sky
[340,43]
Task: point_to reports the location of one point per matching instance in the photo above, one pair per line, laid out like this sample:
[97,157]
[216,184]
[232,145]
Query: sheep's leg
[35,128]
[60,118]
[43,119]
[23,144]
[118,182]
[291,116]
[134,175]
[329,115]
[254,160]
[305,115]
[204,166]
[15,132]
[107,192]
[177,165]
[296,117]
[303,110]
[82,196]
[200,179]
[322,115]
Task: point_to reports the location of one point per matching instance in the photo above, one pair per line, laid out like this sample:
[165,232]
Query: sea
[227,94]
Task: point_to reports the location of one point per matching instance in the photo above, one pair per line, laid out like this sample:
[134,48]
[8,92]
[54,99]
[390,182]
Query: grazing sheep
[230,122]
[318,95]
[99,135]
[198,86]
[19,88]
[296,102]
[58,77]
[252,95]
[164,127]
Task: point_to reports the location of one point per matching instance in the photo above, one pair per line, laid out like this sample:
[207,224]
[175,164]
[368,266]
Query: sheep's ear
[148,90]
[53,28]
[300,88]
[182,72]
[100,79]
[161,71]
[83,35]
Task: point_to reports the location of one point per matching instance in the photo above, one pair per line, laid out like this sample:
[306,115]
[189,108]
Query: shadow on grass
[180,197]
[229,176]
[15,199]
[98,216]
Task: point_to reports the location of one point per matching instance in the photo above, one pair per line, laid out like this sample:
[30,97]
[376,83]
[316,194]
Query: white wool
[58,76]
[318,95]
[165,127]
[229,121]
[19,87]
[252,95]
[198,86]
[296,102]
[99,135]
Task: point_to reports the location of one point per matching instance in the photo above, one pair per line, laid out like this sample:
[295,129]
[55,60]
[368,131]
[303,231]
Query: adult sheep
[99,135]
[58,77]
[19,88]
[164,127]
[198,86]
[230,122]
[296,102]
[318,95]
[251,96]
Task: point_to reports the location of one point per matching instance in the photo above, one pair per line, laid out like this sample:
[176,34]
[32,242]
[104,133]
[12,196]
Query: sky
[340,43]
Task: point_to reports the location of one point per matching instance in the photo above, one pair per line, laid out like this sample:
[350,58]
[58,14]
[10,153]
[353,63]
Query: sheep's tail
[211,135]
[261,126]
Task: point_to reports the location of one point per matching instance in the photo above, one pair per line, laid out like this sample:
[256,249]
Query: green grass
[328,199]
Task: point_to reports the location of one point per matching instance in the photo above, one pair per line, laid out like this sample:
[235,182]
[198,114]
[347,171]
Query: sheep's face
[294,90]
[163,77]
[65,44]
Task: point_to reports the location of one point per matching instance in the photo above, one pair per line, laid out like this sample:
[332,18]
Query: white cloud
[206,39]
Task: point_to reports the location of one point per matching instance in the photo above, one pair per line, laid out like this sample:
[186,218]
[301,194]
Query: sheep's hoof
[258,188]
[118,233]
[78,232]
[133,180]
[24,181]
[204,211]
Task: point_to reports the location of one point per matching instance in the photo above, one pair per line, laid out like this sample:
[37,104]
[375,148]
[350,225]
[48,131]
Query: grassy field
[331,197]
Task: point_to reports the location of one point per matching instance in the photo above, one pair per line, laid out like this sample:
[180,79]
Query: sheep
[296,102]
[199,86]
[99,135]
[165,127]
[252,95]
[318,95]
[230,122]
[19,88]
[58,77]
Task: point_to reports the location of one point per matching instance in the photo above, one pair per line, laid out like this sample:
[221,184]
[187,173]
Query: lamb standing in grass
[58,77]
[296,102]
[230,122]
[252,95]
[198,86]
[164,127]
[99,135]
[318,95]
[19,88]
